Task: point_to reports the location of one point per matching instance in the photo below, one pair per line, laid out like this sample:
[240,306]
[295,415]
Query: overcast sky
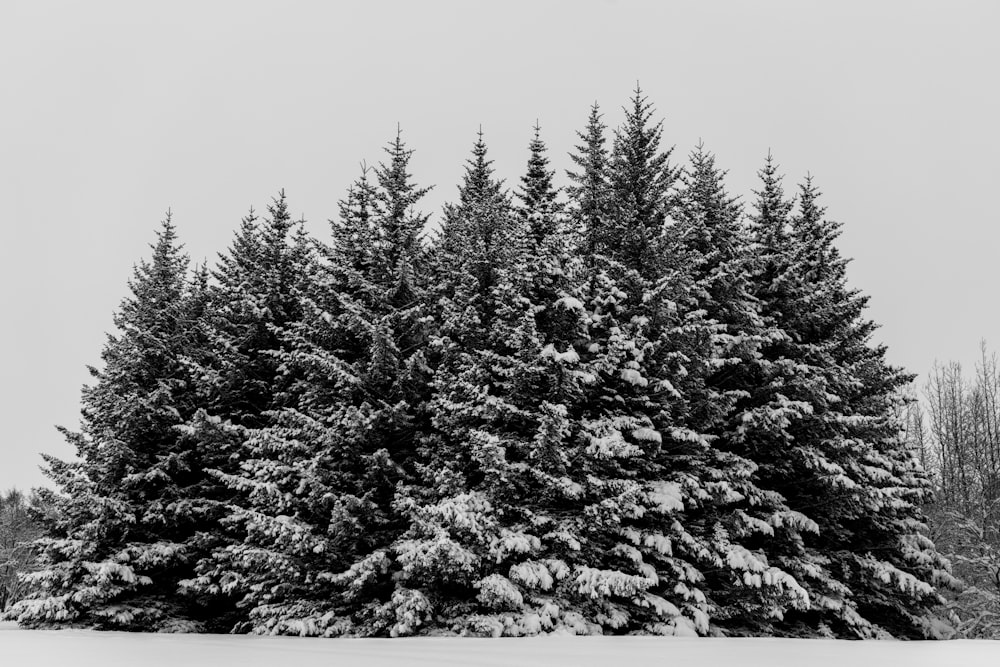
[114,111]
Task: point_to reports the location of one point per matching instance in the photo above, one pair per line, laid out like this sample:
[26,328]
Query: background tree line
[954,424]
[20,526]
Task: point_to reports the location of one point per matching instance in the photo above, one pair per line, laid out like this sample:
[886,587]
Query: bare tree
[960,447]
[18,530]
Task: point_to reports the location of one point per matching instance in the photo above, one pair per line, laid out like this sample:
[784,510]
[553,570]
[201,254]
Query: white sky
[114,111]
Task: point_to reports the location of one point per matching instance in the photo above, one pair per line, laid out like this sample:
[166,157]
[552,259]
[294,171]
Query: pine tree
[118,538]
[872,571]
[241,382]
[641,179]
[352,231]
[771,226]
[713,333]
[590,193]
[480,235]
[317,480]
[253,295]
[402,228]
[537,194]
[480,239]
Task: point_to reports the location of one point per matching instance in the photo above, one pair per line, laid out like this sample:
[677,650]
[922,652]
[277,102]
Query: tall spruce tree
[869,569]
[782,392]
[472,259]
[318,479]
[641,179]
[120,536]
[590,201]
[253,295]
[480,235]
[401,227]
[353,230]
[537,195]
[242,382]
[724,334]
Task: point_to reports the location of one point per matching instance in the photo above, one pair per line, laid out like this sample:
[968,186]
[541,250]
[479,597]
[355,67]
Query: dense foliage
[627,407]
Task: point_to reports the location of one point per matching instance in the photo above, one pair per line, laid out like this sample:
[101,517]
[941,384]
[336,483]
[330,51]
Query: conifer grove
[623,402]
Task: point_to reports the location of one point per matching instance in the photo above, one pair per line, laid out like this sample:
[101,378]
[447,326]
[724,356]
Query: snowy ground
[76,648]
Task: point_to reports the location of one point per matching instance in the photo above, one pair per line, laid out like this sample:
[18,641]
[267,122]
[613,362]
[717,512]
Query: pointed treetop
[537,193]
[705,199]
[275,232]
[591,154]
[478,182]
[168,255]
[808,194]
[702,174]
[166,249]
[359,202]
[399,226]
[704,178]
[815,235]
[589,190]
[156,284]
[773,210]
[640,103]
[637,120]
[640,172]
[199,292]
[241,259]
[353,230]
[641,179]
[302,240]
[399,195]
[200,276]
[278,210]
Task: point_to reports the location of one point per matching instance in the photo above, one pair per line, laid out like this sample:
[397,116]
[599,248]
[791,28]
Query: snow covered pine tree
[317,478]
[117,542]
[841,459]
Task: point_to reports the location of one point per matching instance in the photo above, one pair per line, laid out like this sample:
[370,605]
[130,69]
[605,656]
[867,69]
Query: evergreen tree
[253,295]
[537,194]
[317,481]
[400,225]
[710,330]
[590,200]
[871,571]
[352,231]
[119,538]
[785,389]
[242,382]
[771,226]
[641,179]
[480,236]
